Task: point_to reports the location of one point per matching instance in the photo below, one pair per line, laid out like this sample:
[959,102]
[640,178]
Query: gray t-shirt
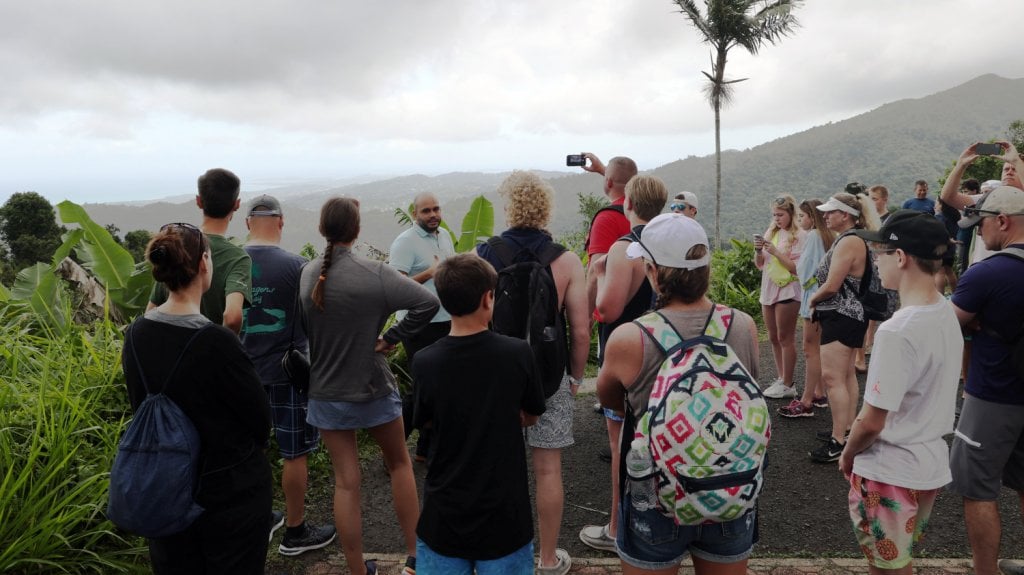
[741,338]
[359,296]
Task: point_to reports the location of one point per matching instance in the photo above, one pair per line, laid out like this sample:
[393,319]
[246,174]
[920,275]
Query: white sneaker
[779,390]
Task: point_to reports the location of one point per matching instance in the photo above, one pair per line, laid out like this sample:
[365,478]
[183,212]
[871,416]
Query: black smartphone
[575,160]
[989,149]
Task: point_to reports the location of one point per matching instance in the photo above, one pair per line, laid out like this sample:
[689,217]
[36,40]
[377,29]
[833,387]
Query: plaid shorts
[888,520]
[294,436]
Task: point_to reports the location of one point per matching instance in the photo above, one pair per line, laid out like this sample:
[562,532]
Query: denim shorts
[650,540]
[430,562]
[350,415]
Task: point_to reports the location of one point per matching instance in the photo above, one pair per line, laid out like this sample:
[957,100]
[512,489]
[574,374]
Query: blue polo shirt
[413,251]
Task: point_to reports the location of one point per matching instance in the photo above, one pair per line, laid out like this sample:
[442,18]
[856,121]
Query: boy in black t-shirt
[477,389]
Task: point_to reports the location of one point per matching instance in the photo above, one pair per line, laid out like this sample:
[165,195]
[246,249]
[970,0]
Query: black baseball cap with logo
[916,233]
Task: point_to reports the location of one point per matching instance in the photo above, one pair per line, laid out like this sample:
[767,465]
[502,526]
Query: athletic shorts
[650,540]
[988,449]
[838,327]
[888,520]
[294,436]
[519,562]
[350,415]
[554,428]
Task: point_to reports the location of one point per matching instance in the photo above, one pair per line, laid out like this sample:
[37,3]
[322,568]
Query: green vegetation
[62,410]
[735,280]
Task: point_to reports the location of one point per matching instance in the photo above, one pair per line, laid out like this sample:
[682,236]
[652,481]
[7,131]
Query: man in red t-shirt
[609,224]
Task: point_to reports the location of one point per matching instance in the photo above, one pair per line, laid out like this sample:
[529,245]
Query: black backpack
[153,481]
[526,306]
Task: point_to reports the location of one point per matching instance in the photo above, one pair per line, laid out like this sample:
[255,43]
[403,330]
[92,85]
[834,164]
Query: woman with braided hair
[345,300]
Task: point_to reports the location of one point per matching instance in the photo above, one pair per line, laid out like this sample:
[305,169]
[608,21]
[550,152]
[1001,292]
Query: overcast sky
[112,100]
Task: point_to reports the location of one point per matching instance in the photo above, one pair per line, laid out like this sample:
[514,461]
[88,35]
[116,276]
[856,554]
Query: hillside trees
[725,24]
[28,225]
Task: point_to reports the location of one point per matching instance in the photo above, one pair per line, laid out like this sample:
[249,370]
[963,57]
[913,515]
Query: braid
[318,289]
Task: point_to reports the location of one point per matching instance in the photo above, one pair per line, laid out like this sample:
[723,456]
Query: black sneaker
[826,434]
[276,521]
[827,453]
[313,537]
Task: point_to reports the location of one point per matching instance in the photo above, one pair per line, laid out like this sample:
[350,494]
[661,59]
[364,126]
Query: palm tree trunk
[718,176]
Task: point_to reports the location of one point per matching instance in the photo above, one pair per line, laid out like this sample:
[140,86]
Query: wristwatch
[574,381]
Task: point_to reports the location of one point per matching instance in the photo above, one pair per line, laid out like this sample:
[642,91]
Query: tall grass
[62,411]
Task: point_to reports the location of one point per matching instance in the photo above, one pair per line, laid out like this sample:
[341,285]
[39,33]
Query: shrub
[62,411]
[735,280]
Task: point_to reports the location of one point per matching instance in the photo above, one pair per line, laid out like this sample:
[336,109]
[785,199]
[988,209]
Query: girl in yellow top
[776,255]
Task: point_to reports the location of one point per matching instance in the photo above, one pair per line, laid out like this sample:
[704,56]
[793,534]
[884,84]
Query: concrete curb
[392,564]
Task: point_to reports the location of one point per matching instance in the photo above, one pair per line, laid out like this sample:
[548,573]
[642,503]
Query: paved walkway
[392,564]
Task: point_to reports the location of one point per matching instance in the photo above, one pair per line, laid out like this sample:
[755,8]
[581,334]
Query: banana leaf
[477,225]
[99,253]
[38,286]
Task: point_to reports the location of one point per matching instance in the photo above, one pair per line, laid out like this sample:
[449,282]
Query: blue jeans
[650,540]
[429,562]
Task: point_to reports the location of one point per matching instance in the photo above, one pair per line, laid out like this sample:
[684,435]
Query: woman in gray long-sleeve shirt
[346,299]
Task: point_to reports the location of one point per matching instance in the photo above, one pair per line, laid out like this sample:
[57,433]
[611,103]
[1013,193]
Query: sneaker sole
[293,551]
[796,415]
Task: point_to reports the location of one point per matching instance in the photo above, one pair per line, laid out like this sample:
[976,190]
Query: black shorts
[838,327]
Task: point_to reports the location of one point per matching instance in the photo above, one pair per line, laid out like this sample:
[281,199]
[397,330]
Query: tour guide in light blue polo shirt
[416,253]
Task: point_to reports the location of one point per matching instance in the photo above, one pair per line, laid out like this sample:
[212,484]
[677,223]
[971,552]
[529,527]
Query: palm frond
[689,8]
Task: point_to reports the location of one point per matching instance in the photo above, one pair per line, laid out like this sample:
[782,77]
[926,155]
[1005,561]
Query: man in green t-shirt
[231,287]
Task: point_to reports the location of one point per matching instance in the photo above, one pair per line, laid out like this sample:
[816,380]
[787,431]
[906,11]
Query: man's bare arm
[233,311]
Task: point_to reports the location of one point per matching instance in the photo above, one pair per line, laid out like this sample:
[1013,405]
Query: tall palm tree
[724,25]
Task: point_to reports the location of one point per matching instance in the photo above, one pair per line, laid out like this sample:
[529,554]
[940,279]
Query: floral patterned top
[845,300]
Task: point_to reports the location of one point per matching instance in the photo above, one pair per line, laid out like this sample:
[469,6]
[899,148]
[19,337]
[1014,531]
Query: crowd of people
[867,287]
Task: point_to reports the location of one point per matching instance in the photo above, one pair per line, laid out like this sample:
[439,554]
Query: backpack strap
[660,330]
[501,250]
[550,253]
[1012,252]
[174,369]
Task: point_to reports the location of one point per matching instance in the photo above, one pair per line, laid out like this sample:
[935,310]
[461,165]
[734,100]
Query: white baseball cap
[667,238]
[689,198]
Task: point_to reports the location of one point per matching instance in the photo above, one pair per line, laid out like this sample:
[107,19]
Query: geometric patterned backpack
[706,424]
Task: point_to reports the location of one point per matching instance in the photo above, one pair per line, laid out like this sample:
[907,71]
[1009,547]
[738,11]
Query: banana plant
[127,285]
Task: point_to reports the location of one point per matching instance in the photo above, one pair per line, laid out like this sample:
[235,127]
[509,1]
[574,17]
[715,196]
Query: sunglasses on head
[781,201]
[192,230]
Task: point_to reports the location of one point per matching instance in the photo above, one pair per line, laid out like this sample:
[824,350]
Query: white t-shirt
[913,375]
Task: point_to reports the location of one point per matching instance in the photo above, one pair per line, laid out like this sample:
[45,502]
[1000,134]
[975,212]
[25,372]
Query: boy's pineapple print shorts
[888,520]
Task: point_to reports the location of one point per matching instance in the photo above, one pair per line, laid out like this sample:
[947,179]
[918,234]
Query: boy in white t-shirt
[895,458]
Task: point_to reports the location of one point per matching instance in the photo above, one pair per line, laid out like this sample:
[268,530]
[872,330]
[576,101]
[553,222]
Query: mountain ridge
[893,144]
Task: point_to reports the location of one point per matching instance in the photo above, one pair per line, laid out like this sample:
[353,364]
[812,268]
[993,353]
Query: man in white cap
[685,203]
[988,446]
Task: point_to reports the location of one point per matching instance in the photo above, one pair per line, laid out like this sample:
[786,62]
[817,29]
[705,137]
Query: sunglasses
[781,201]
[972,212]
[191,230]
[675,207]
